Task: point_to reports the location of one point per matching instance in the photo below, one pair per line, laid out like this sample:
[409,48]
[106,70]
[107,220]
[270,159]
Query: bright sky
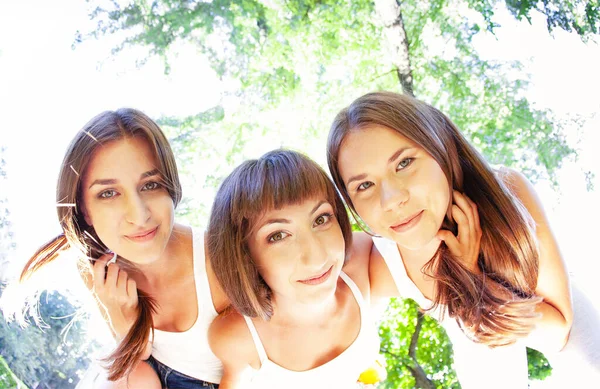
[48,91]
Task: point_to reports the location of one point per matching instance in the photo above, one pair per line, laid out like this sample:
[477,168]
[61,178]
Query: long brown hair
[277,179]
[77,235]
[508,254]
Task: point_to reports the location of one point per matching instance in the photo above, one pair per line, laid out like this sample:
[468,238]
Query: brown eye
[151,186]
[276,237]
[323,219]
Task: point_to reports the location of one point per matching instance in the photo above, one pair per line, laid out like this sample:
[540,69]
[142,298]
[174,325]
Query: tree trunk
[390,14]
[421,380]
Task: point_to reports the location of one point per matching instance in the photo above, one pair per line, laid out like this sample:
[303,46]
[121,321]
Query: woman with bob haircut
[405,171]
[282,248]
[116,194]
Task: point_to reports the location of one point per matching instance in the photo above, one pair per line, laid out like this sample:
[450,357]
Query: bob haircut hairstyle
[508,253]
[109,126]
[275,180]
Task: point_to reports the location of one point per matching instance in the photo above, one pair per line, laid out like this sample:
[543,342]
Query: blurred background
[229,80]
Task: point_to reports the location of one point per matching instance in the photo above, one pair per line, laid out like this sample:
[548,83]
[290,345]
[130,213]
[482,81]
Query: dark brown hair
[107,127]
[277,179]
[509,253]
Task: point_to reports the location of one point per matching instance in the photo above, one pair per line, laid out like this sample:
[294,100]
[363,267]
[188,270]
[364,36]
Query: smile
[318,279]
[408,223]
[143,236]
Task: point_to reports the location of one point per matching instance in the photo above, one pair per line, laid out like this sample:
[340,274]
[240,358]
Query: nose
[392,194]
[138,212]
[314,255]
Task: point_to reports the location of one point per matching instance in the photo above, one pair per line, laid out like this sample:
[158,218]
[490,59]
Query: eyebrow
[391,159]
[287,221]
[112,181]
[398,153]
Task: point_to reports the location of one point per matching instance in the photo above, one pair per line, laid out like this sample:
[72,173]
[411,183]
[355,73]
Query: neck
[290,312]
[420,256]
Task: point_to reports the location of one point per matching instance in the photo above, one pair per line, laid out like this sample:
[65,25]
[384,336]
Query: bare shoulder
[231,341]
[358,255]
[366,263]
[523,189]
[357,261]
[514,179]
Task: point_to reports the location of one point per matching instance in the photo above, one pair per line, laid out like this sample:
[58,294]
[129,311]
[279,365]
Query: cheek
[162,206]
[365,210]
[335,243]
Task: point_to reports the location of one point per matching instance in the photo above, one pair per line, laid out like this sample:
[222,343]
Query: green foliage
[580,16]
[8,379]
[483,98]
[324,53]
[7,242]
[56,354]
[538,365]
[433,351]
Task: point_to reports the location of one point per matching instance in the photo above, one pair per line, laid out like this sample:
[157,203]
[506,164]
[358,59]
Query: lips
[318,279]
[143,236]
[408,223]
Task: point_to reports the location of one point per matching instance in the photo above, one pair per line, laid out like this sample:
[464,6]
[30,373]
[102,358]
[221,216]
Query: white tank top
[341,372]
[477,365]
[188,352]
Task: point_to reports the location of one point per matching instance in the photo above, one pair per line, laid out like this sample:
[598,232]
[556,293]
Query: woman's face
[396,187]
[126,202]
[299,250]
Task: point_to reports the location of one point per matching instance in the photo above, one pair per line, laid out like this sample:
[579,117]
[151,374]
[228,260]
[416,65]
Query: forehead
[368,145]
[288,211]
[127,156]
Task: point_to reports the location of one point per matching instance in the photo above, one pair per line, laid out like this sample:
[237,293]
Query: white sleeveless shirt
[341,372]
[477,365]
[188,352]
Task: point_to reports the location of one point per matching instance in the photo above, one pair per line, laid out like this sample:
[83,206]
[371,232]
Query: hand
[466,245]
[116,294]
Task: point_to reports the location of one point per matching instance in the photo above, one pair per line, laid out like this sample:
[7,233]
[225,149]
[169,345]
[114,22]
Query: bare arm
[366,261]
[556,310]
[230,340]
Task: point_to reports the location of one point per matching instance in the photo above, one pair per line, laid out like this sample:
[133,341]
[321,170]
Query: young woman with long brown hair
[404,170]
[117,191]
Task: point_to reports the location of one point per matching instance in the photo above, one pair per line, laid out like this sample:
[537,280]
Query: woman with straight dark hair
[407,174]
[117,191]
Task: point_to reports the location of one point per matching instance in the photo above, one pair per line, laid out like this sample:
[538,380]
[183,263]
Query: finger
[476,220]
[113,259]
[464,228]
[451,241]
[122,282]
[99,271]
[465,205]
[132,289]
[112,275]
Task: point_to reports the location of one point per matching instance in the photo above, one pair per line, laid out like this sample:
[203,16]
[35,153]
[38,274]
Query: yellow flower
[375,373]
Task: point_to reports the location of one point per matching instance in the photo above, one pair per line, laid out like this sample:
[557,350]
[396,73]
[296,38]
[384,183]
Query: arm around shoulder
[366,258]
[553,282]
[230,340]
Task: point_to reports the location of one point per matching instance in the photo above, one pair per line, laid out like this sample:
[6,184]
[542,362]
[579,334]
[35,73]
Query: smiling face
[396,187]
[125,200]
[299,250]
